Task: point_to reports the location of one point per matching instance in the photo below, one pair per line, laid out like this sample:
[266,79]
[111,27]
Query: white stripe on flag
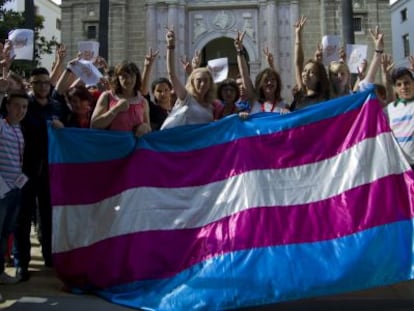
[143,209]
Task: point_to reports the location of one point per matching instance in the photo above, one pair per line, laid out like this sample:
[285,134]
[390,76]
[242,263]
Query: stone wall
[137,25]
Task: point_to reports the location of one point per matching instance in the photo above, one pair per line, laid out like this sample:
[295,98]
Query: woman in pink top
[123,108]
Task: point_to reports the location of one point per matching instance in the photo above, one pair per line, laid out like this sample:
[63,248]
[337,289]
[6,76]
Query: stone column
[118,35]
[184,40]
[264,25]
[174,15]
[272,41]
[322,6]
[289,74]
[151,34]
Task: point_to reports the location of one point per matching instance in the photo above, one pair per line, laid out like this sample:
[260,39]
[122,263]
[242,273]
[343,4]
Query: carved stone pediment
[223,20]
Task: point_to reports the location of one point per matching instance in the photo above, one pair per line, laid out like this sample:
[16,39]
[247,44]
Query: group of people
[126,101]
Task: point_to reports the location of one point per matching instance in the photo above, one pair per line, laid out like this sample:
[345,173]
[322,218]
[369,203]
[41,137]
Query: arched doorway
[222,47]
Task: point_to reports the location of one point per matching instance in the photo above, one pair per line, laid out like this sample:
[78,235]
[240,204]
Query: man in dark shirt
[36,193]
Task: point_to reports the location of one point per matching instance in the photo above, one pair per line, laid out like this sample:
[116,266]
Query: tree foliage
[14,20]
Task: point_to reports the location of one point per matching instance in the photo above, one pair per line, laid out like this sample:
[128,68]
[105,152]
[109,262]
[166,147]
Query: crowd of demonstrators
[126,101]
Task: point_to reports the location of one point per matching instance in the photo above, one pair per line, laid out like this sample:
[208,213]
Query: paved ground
[45,292]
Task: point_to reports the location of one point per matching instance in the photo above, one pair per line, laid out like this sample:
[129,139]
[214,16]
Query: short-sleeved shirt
[188,111]
[401,120]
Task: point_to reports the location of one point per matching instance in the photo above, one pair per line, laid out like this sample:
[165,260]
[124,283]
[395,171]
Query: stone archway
[213,44]
[218,48]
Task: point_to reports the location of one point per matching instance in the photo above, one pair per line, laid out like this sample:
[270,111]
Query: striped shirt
[401,120]
[11,152]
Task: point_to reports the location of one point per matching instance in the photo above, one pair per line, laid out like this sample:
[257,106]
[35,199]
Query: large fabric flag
[235,213]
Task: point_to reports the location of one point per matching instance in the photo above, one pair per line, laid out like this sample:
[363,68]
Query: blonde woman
[195,101]
[340,78]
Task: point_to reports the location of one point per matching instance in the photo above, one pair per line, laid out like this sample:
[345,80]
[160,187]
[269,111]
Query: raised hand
[7,55]
[411,60]
[186,64]
[362,69]
[151,56]
[60,53]
[378,37]
[269,57]
[101,63]
[196,61]
[87,55]
[342,55]
[170,38]
[387,64]
[300,24]
[238,41]
[318,55]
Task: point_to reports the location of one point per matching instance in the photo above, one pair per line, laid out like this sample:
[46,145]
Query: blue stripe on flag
[115,145]
[371,258]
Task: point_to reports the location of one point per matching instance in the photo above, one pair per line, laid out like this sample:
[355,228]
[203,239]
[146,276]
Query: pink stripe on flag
[162,254]
[147,168]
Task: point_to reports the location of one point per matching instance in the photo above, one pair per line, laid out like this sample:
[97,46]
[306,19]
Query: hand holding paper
[357,53]
[89,50]
[219,68]
[86,71]
[23,43]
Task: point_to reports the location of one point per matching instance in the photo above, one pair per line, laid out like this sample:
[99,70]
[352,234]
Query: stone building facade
[209,26]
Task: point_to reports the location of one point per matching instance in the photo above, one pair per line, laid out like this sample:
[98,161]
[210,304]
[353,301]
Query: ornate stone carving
[199,26]
[248,25]
[223,20]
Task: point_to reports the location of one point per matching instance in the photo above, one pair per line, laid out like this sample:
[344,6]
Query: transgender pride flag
[234,213]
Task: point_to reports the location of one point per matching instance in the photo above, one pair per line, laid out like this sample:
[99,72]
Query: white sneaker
[7,279]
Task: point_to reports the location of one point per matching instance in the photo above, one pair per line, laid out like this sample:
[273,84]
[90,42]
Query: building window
[58,24]
[406,45]
[91,32]
[403,15]
[358,24]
